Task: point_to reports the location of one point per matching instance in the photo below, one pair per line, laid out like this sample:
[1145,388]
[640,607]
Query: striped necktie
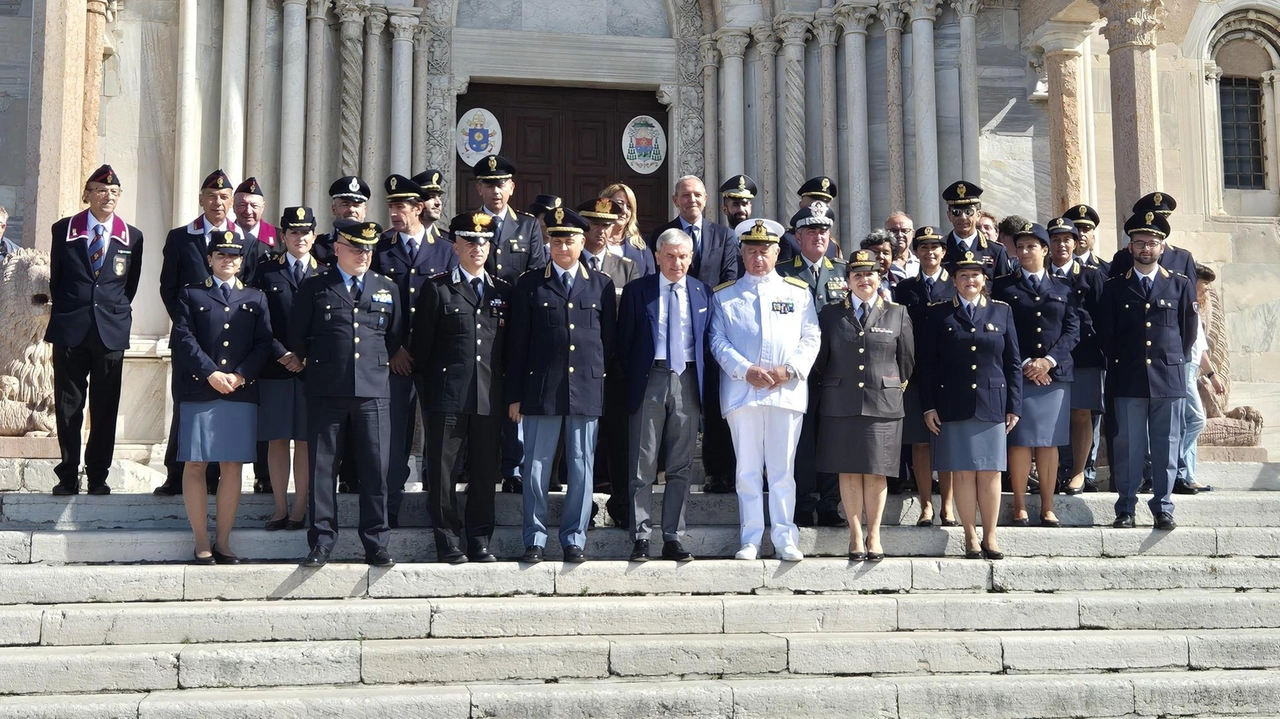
[97,250]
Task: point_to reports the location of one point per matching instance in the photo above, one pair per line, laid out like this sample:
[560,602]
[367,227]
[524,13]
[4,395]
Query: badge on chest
[382,297]
[784,307]
[497,308]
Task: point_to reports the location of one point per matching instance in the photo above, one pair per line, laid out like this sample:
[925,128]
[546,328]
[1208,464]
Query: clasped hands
[1037,370]
[226,382]
[769,379]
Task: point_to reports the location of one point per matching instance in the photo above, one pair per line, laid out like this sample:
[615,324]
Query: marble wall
[15,81]
[633,18]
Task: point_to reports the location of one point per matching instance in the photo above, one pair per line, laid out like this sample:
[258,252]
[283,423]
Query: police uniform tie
[595,263]
[413,250]
[1059,272]
[1035,282]
[566,280]
[477,285]
[816,272]
[355,290]
[928,284]
[298,271]
[1146,287]
[97,250]
[226,292]
[862,313]
[675,358]
[969,313]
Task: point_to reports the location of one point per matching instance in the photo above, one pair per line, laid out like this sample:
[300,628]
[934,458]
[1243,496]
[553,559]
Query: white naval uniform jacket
[766,321]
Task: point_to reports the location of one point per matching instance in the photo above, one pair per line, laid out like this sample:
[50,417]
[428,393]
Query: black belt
[660,364]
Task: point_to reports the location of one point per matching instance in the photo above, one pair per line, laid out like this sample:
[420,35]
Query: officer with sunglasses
[963,200]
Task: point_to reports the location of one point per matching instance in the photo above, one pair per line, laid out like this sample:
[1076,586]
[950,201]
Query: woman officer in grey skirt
[970,376]
[867,355]
[1044,313]
[221,339]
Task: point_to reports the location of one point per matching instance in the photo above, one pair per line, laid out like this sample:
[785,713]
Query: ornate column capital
[967,8]
[377,19]
[891,14]
[766,41]
[1065,38]
[922,9]
[1040,75]
[825,27]
[707,52]
[316,9]
[1270,77]
[1131,22]
[351,11]
[1212,72]
[666,93]
[732,41]
[854,17]
[793,28]
[404,23]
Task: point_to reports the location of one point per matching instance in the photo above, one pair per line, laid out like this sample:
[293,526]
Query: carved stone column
[923,91]
[186,176]
[421,91]
[255,148]
[442,99]
[767,140]
[828,34]
[1131,35]
[1212,103]
[54,126]
[235,68]
[404,21]
[854,18]
[351,14]
[317,102]
[710,134]
[892,15]
[1270,96]
[293,102]
[94,28]
[732,44]
[371,151]
[970,162]
[793,28]
[1061,44]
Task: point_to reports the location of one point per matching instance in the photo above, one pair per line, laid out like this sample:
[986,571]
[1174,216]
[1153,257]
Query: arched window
[1245,45]
[1244,158]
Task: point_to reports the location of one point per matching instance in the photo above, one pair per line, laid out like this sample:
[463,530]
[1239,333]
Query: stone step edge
[89,669]
[1145,694]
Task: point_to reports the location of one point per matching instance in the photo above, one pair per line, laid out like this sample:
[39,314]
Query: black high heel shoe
[973,554]
[1050,522]
[220,558]
[200,561]
[857,556]
[875,556]
[989,554]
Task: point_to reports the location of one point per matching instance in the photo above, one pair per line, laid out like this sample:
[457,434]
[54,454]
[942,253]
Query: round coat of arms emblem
[478,135]
[644,144]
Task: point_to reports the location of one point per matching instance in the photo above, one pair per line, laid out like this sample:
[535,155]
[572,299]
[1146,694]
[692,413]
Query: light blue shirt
[346,278]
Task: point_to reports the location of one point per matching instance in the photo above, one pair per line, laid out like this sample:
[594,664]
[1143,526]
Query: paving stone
[1017,697]
[15,547]
[1045,542]
[20,625]
[38,476]
[258,621]
[1237,476]
[1249,541]
[269,665]
[896,653]
[111,706]
[1186,542]
[310,703]
[1093,651]
[1173,573]
[658,577]
[470,580]
[454,661]
[37,584]
[1179,609]
[892,574]
[563,616]
[810,613]
[277,581]
[1236,649]
[935,574]
[814,698]
[10,475]
[691,700]
[697,655]
[65,670]
[987,612]
[1235,692]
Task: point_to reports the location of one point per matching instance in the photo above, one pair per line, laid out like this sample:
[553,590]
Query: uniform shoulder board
[626,260]
[998,302]
[838,260]
[1179,274]
[796,281]
[499,282]
[939,303]
[723,285]
[1011,273]
[521,212]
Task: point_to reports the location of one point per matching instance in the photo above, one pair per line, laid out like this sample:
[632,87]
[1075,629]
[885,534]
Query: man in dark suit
[825,277]
[964,200]
[662,349]
[1147,324]
[815,189]
[1086,220]
[459,345]
[408,253]
[260,238]
[185,262]
[348,200]
[346,327]
[716,260]
[1174,259]
[562,333]
[95,261]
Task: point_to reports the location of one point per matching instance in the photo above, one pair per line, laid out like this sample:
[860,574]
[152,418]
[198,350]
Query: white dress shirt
[686,322]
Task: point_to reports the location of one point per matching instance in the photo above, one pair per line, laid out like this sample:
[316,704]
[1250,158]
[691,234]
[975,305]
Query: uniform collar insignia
[78,228]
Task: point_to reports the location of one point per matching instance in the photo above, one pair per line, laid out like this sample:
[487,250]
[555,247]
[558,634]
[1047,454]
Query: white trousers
[764,440]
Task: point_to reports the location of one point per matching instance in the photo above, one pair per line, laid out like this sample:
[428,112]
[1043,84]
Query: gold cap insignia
[968,255]
[826,184]
[481,221]
[368,233]
[1026,227]
[742,182]
[1151,216]
[221,182]
[928,231]
[435,178]
[862,256]
[1158,199]
[228,236]
[604,205]
[558,202]
[110,178]
[1083,211]
[354,186]
[559,215]
[961,190]
[493,163]
[301,213]
[393,183]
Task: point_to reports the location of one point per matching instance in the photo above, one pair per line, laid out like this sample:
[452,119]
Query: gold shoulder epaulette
[723,285]
[797,282]
[940,302]
[998,302]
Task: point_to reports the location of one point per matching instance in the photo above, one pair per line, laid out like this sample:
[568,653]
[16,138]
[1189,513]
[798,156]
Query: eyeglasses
[963,212]
[1148,245]
[358,250]
[105,192]
[902,231]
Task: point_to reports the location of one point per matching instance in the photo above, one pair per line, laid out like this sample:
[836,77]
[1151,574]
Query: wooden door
[568,142]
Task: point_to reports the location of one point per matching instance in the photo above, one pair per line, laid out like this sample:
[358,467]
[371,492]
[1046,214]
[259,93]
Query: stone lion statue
[1224,426]
[26,360]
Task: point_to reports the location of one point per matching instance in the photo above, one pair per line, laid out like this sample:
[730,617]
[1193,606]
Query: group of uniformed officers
[516,333]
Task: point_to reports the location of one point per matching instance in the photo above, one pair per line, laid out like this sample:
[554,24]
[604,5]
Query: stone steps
[1131,695]
[139,511]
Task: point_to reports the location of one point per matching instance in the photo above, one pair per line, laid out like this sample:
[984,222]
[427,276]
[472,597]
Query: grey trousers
[666,424]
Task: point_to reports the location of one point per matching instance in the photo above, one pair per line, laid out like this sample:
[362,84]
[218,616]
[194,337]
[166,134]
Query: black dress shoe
[950,522]
[991,553]
[640,551]
[262,486]
[716,485]
[804,519]
[317,558]
[451,555]
[875,556]
[1164,520]
[973,554]
[1123,521]
[1050,522]
[66,489]
[348,488]
[382,558]
[675,551]
[480,553]
[857,556]
[532,554]
[99,489]
[200,561]
[1020,522]
[171,487]
[573,554]
[831,519]
[1090,486]
[1145,487]
[277,524]
[1180,488]
[220,558]
[293,526]
[512,485]
[1072,491]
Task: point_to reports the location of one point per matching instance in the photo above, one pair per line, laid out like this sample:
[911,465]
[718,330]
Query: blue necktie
[696,235]
[298,272]
[1146,286]
[355,290]
[97,250]
[566,280]
[675,357]
[862,313]
[969,312]
[1035,282]
[477,285]
[226,292]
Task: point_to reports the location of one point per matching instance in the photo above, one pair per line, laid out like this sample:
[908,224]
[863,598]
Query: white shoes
[790,553]
[748,552]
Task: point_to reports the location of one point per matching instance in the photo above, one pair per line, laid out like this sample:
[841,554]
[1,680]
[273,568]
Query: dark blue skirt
[217,431]
[1046,416]
[970,446]
[282,409]
[1086,389]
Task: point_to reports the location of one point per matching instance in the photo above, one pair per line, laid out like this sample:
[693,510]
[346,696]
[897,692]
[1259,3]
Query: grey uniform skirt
[1086,389]
[217,431]
[914,430]
[1046,416]
[859,445]
[970,446]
